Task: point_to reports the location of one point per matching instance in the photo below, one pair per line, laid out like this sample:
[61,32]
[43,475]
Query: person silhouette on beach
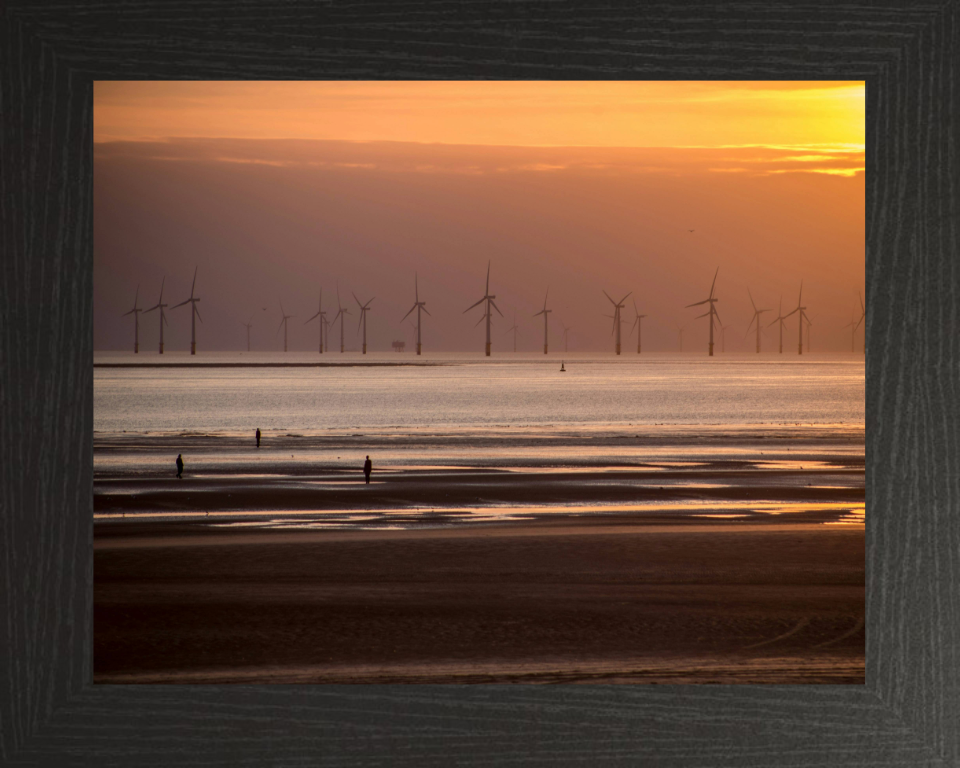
[367,468]
[179,466]
[258,437]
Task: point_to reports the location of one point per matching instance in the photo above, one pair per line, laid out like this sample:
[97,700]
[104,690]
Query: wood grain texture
[906,714]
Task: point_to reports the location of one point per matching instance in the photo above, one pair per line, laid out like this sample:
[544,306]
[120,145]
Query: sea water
[451,392]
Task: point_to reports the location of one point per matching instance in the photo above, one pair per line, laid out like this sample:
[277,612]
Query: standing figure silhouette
[367,467]
[258,437]
[180,466]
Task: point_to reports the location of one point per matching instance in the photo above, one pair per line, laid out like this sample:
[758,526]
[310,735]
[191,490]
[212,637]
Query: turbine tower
[248,326]
[488,298]
[364,308]
[637,324]
[163,318]
[617,306]
[194,314]
[802,310]
[863,314]
[283,324]
[417,305]
[755,319]
[546,316]
[712,312]
[853,330]
[516,330]
[779,319]
[136,321]
[566,334]
[320,314]
[341,311]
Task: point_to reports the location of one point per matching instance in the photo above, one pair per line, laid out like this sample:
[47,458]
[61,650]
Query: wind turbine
[681,330]
[779,319]
[321,314]
[488,298]
[136,321]
[802,310]
[546,316]
[863,314]
[163,319]
[283,324]
[637,324]
[248,325]
[712,312]
[755,319]
[515,330]
[341,311]
[853,329]
[617,306]
[809,344]
[194,314]
[723,345]
[417,305]
[364,308]
[566,333]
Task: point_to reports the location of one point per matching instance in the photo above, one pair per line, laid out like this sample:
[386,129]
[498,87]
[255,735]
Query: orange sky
[605,114]
[273,190]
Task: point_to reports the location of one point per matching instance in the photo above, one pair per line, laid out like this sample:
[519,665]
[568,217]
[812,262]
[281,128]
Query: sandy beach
[611,565]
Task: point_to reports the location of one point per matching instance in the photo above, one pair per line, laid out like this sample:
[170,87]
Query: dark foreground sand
[593,600]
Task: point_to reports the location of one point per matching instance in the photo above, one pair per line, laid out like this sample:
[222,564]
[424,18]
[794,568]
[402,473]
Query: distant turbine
[417,305]
[364,308]
[546,313]
[248,325]
[809,323]
[194,314]
[341,311]
[136,321]
[321,314]
[515,330]
[163,319]
[779,319]
[755,319]
[802,310]
[566,333]
[283,324]
[637,324]
[863,314]
[712,312]
[723,345]
[853,330]
[680,330]
[617,306]
[488,298]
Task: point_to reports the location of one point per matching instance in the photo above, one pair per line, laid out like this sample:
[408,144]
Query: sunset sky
[273,190]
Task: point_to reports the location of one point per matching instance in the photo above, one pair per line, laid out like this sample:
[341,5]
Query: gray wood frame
[908,712]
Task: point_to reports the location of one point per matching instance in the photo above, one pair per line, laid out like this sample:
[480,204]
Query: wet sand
[587,601]
[464,573]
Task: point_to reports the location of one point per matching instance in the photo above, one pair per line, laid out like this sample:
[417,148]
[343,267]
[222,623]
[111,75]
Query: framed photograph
[118,580]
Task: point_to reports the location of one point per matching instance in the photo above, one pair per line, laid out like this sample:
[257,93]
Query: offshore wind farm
[539,510]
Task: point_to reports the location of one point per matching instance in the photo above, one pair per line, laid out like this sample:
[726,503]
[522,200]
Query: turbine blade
[160,300]
[180,304]
[697,304]
[790,313]
[715,311]
[714,281]
[492,304]
[482,318]
[705,314]
[312,318]
[198,312]
[751,300]
[858,294]
[475,305]
[425,310]
[408,313]
[608,296]
[487,292]
[537,313]
[194,285]
[416,290]
[280,326]
[164,317]
[623,299]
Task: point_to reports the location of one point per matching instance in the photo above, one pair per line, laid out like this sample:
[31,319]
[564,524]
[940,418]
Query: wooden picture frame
[905,714]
